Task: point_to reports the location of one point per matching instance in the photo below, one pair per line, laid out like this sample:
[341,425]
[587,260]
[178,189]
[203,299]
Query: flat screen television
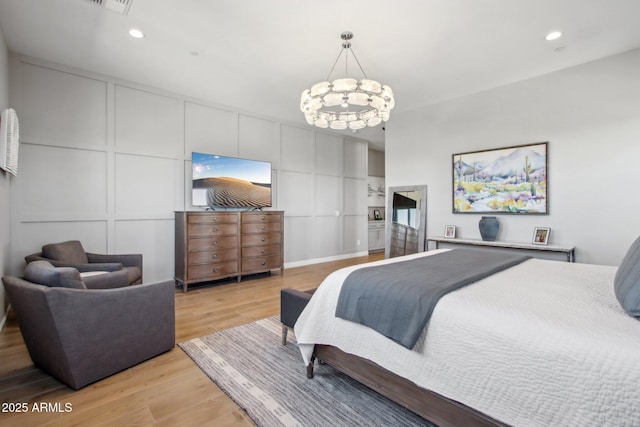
[230,182]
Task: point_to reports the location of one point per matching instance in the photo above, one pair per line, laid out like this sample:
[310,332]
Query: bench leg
[310,367]
[285,330]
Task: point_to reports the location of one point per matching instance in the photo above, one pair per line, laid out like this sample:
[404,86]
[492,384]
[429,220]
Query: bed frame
[430,405]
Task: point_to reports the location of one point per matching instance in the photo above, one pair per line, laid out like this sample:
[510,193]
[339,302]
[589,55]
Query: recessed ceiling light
[134,32]
[553,35]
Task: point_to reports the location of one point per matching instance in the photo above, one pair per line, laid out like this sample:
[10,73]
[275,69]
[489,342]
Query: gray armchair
[82,335]
[98,271]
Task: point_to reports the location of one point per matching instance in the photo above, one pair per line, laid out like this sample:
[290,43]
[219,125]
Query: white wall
[5,180]
[107,162]
[376,162]
[590,114]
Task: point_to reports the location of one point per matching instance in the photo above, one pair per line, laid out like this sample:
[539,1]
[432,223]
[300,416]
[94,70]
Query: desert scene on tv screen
[225,191]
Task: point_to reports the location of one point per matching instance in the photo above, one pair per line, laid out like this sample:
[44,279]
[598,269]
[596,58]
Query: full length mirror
[406,220]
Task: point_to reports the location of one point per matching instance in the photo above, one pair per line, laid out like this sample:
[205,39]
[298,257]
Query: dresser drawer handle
[263,228]
[215,269]
[263,217]
[215,230]
[264,262]
[215,256]
[215,243]
[215,218]
[263,251]
[263,239]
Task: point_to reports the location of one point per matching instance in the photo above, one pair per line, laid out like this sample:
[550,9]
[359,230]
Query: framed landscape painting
[511,180]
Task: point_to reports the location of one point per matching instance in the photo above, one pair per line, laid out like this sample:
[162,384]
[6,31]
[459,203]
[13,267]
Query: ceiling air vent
[118,6]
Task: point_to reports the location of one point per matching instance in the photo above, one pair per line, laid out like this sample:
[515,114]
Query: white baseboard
[327,259]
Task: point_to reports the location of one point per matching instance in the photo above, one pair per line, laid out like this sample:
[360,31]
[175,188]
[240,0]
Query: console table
[569,251]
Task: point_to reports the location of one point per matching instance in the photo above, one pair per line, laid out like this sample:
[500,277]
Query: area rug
[267,380]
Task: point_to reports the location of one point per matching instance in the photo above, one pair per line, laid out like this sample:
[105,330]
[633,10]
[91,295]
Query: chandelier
[347,103]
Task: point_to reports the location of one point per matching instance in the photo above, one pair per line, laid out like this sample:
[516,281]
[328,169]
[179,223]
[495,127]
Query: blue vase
[489,227]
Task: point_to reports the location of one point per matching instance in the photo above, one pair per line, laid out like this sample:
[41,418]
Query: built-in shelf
[568,251]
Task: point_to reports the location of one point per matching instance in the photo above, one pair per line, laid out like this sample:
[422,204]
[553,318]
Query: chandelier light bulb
[367,102]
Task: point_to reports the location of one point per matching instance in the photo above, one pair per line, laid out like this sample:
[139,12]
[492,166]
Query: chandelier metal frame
[346,102]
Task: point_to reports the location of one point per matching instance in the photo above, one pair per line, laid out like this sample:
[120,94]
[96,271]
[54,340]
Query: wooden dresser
[217,245]
[403,240]
[261,241]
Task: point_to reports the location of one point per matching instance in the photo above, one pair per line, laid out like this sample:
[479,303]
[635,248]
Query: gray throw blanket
[397,299]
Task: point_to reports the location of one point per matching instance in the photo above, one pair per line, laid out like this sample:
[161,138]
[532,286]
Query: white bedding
[544,343]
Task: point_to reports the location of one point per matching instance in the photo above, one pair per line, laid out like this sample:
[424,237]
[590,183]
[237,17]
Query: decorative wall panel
[355,196]
[328,195]
[356,234]
[145,185]
[297,149]
[60,108]
[355,159]
[34,235]
[329,154]
[327,232]
[295,193]
[299,239]
[57,181]
[152,238]
[257,139]
[146,122]
[210,130]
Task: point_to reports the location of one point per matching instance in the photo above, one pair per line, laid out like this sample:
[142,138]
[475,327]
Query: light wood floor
[169,390]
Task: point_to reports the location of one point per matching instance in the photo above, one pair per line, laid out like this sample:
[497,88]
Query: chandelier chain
[334,64]
[346,47]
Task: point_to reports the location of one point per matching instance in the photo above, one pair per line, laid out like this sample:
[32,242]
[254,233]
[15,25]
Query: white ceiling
[259,55]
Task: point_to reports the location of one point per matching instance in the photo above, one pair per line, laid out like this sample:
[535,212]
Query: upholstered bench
[292,302]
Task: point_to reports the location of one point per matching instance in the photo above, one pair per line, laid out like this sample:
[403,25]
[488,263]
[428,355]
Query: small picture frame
[450,231]
[541,235]
[376,214]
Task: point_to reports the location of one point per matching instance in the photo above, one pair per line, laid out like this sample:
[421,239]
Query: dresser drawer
[212,243]
[261,239]
[395,241]
[261,263]
[196,230]
[261,217]
[256,251]
[412,238]
[209,218]
[398,233]
[212,271]
[207,257]
[397,250]
[260,227]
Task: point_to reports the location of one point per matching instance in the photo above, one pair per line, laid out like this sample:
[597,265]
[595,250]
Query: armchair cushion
[106,280]
[70,252]
[43,273]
